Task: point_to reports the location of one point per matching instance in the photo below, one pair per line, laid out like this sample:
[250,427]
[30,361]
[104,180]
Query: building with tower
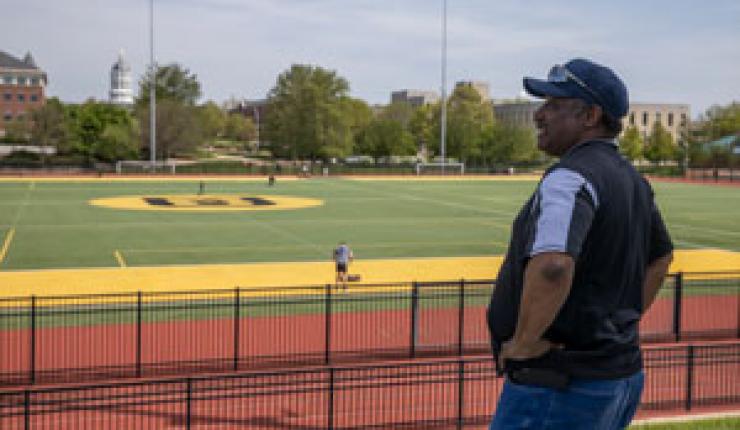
[121,91]
[22,86]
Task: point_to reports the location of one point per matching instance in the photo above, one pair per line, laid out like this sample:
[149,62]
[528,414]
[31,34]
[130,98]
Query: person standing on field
[342,256]
[588,253]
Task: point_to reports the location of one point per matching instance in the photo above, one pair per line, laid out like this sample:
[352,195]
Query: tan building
[516,112]
[22,86]
[415,98]
[673,117]
[483,88]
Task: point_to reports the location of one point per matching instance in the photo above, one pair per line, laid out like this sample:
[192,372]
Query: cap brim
[544,89]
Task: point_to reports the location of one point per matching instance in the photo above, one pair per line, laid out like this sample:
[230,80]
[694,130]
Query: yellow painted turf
[256,275]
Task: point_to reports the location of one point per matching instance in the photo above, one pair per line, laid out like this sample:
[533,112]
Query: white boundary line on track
[687,418]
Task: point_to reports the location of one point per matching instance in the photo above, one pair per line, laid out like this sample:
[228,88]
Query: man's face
[560,125]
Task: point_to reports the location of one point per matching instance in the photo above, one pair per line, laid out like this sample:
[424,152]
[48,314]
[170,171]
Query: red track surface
[283,338]
[179,341]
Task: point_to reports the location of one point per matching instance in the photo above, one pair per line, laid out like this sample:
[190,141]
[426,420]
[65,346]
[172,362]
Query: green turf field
[54,226]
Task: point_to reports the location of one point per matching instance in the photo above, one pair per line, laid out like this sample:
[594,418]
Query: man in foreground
[588,253]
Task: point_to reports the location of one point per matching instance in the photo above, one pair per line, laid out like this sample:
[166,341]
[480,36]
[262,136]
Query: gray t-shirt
[342,254]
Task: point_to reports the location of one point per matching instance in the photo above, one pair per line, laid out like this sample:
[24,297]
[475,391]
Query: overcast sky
[673,51]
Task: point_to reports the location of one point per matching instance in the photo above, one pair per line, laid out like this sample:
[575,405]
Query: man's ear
[593,115]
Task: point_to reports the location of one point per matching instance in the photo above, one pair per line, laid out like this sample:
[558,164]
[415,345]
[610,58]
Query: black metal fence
[422,394]
[715,174]
[78,338]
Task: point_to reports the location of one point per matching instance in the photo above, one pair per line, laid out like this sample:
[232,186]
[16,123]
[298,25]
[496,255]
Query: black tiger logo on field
[206,201]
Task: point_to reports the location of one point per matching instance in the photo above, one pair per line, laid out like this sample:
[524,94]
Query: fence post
[677,301]
[330,405]
[27,409]
[414,318]
[138,333]
[237,303]
[460,393]
[32,352]
[327,325]
[461,318]
[689,376]
[189,401]
[737,300]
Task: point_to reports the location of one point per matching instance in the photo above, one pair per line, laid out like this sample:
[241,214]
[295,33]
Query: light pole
[152,91]
[443,119]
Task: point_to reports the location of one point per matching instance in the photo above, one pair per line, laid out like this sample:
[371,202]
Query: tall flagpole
[152,91]
[443,120]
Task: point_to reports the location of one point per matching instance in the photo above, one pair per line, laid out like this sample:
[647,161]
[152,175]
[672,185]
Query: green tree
[630,144]
[178,130]
[401,112]
[659,146]
[422,126]
[509,144]
[240,128]
[304,114]
[180,124]
[720,121]
[49,127]
[212,120]
[18,130]
[385,137]
[467,118]
[118,142]
[173,82]
[86,124]
[358,115]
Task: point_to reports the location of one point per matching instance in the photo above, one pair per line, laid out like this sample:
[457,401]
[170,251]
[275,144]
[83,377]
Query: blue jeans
[586,404]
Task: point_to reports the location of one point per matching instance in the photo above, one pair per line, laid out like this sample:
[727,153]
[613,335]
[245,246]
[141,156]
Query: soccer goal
[145,167]
[440,169]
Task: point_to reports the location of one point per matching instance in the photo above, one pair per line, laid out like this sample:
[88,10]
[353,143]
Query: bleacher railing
[426,394]
[93,337]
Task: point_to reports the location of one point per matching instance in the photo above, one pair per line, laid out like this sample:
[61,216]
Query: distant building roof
[10,62]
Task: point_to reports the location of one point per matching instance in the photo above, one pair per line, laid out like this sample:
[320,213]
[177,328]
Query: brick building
[22,86]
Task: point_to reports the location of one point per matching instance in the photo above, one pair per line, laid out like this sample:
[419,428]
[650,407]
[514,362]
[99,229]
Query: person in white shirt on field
[342,256]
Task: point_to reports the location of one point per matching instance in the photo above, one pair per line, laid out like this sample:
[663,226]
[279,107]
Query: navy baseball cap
[583,79]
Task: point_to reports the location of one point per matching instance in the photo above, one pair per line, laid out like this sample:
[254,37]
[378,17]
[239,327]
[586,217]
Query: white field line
[6,244]
[440,203]
[119,258]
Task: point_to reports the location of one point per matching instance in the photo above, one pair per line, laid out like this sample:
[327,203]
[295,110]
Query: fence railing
[421,394]
[89,337]
[716,174]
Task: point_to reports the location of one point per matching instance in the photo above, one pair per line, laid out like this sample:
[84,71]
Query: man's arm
[654,276]
[547,282]
[660,255]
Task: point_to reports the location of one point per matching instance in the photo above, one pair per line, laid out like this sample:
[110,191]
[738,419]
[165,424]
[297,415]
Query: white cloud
[667,50]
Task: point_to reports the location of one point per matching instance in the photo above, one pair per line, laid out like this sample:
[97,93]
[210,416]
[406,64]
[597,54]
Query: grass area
[704,424]
[56,228]
[224,308]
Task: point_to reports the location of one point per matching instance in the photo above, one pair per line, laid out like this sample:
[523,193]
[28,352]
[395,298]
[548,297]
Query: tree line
[310,115]
[95,131]
[694,143]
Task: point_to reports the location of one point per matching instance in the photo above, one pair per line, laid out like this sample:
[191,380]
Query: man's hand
[512,350]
